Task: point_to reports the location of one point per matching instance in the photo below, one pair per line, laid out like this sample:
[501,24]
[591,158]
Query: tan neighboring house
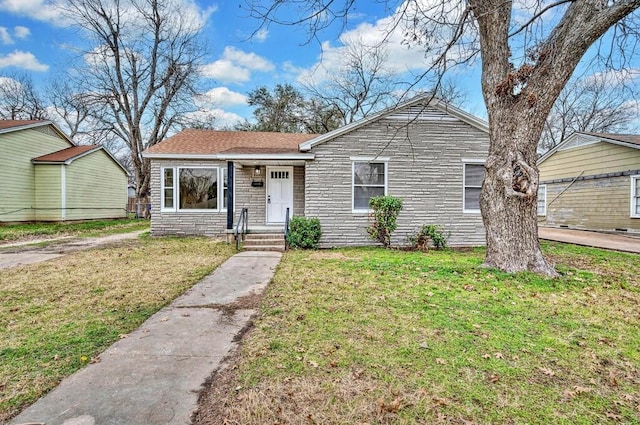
[44,176]
[591,181]
[426,152]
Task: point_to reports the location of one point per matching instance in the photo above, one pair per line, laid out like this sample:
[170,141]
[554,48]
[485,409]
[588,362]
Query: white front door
[279,193]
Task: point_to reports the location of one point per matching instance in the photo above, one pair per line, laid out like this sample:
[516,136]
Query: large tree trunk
[518,101]
[509,194]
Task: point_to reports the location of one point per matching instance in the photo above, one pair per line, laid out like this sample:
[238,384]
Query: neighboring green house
[591,181]
[44,176]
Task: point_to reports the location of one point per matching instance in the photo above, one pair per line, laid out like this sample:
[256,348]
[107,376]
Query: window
[198,188]
[167,189]
[635,196]
[542,200]
[194,189]
[369,180]
[224,188]
[473,175]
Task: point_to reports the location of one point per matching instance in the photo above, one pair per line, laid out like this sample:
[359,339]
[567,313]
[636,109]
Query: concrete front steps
[264,242]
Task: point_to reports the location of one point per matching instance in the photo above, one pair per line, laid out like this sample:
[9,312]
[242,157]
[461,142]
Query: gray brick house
[426,152]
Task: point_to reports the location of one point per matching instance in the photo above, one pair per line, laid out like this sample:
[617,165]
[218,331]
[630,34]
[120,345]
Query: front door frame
[266,197]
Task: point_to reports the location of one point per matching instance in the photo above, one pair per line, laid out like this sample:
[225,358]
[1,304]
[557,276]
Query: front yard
[368,336]
[57,316]
[32,231]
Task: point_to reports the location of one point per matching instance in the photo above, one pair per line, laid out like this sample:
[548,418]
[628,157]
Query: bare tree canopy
[528,51]
[140,70]
[19,99]
[600,103]
[362,84]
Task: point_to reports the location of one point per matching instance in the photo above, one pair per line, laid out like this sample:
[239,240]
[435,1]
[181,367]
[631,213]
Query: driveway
[20,253]
[616,242]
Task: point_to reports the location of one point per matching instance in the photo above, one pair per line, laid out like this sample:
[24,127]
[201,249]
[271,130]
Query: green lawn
[372,336]
[56,316]
[17,232]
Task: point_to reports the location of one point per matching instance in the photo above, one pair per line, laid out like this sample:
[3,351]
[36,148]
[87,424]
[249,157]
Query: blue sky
[34,40]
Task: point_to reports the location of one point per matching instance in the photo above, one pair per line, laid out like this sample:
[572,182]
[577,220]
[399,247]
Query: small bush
[304,232]
[385,210]
[429,232]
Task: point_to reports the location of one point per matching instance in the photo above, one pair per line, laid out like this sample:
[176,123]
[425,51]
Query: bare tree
[596,104]
[361,83]
[529,50]
[19,99]
[141,70]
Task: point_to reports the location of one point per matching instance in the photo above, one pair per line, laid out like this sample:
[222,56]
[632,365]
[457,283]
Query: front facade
[592,182]
[427,153]
[44,176]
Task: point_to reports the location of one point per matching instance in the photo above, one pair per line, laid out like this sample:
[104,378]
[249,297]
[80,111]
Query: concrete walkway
[615,242]
[20,253]
[153,376]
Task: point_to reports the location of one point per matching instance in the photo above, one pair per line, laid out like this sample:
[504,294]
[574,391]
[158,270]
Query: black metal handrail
[286,230]
[241,226]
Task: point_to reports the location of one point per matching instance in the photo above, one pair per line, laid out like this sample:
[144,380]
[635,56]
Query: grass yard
[18,232]
[368,336]
[56,316]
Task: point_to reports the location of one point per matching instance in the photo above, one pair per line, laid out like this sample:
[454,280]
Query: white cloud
[5,37]
[613,77]
[235,66]
[261,35]
[18,32]
[392,33]
[222,97]
[219,117]
[247,60]
[226,72]
[224,118]
[185,12]
[23,60]
[42,10]
[21,32]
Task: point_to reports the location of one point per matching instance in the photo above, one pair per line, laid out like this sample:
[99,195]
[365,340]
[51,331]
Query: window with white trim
[473,175]
[194,189]
[198,188]
[369,180]
[542,200]
[168,189]
[224,188]
[635,196]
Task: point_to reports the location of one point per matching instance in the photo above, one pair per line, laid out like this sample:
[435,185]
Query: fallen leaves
[390,407]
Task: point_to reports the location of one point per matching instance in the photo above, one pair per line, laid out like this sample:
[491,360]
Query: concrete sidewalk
[21,253]
[615,242]
[154,375]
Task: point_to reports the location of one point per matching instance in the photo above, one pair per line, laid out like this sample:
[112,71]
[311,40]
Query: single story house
[424,151]
[44,176]
[591,181]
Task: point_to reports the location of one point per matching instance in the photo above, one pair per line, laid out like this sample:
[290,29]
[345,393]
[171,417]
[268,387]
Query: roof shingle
[209,142]
[4,124]
[65,154]
[633,139]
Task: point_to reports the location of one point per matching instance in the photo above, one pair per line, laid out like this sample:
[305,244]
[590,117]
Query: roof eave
[36,125]
[231,156]
[80,155]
